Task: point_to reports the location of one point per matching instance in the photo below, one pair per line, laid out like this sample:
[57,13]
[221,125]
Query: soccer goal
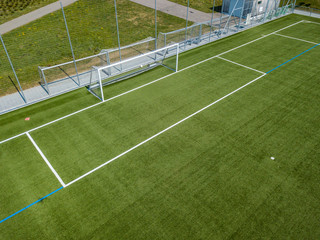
[101,76]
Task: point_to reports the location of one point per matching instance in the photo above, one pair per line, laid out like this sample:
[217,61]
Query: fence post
[265,13]
[228,21]
[294,5]
[14,72]
[219,33]
[214,1]
[200,33]
[253,12]
[165,40]
[74,59]
[115,9]
[185,41]
[43,80]
[241,15]
[155,24]
[108,61]
[177,59]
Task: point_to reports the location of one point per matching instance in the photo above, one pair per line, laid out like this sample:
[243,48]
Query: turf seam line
[241,65]
[39,200]
[293,58]
[299,39]
[96,104]
[159,133]
[46,160]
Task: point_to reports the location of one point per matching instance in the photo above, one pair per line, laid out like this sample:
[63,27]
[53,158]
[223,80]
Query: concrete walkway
[29,17]
[178,10]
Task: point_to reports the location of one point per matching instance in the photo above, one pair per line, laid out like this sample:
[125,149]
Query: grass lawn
[309,3]
[210,176]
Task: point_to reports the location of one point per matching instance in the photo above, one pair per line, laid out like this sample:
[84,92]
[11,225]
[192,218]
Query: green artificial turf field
[185,157]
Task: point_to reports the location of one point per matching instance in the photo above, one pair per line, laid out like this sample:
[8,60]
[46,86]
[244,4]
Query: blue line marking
[30,205]
[293,58]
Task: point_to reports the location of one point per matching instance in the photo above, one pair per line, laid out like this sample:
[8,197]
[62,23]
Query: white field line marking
[241,65]
[81,110]
[48,123]
[259,38]
[299,39]
[311,22]
[168,128]
[46,160]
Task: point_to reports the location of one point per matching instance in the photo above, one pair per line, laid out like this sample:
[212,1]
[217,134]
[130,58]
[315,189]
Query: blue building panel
[235,8]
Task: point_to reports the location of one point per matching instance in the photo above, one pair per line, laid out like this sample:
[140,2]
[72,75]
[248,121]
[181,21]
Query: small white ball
[141,65]
[272,158]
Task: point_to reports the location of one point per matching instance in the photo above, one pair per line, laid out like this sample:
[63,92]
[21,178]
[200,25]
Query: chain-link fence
[55,54]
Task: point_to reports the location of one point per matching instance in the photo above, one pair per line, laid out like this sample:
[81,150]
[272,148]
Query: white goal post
[101,76]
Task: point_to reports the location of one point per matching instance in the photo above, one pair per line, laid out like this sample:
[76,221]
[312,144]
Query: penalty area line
[163,131]
[195,113]
[311,22]
[294,38]
[46,160]
[241,65]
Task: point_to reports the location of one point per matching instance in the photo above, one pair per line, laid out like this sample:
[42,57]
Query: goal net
[106,75]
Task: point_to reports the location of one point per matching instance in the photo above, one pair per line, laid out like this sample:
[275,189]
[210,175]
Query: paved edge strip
[39,200]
